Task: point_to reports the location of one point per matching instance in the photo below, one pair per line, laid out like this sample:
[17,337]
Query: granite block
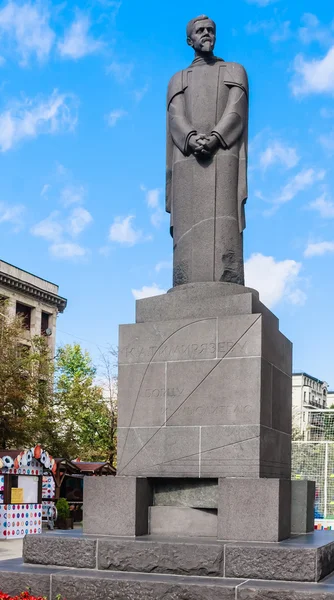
[116,505]
[277,349]
[268,562]
[188,558]
[194,493]
[14,583]
[204,400]
[58,551]
[279,590]
[302,506]
[230,451]
[198,300]
[266,409]
[100,587]
[142,390]
[154,452]
[240,336]
[325,560]
[281,401]
[275,454]
[180,521]
[181,339]
[254,509]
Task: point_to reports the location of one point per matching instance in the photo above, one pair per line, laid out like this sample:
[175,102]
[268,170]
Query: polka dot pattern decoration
[18,520]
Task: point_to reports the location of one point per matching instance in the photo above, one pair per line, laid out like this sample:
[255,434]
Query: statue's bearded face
[203,36]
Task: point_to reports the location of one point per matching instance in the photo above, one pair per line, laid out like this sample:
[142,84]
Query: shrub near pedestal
[64,519]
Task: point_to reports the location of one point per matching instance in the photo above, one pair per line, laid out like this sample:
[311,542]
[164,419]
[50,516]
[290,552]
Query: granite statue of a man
[206,188]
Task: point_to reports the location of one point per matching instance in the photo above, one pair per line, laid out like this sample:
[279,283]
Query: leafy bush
[63,509]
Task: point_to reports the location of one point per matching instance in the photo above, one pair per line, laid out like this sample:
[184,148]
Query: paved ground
[10,549]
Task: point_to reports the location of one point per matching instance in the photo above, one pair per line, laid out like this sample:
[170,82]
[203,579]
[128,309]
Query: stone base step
[75,584]
[307,558]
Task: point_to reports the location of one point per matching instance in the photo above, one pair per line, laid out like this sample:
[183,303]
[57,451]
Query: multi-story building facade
[309,395]
[35,299]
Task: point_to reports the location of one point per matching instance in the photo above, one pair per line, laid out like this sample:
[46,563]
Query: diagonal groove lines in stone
[145,372]
[190,393]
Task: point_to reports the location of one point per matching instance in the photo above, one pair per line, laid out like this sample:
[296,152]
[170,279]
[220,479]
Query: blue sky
[82,156]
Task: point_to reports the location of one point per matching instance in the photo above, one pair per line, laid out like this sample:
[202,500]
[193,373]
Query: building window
[44,322]
[304,397]
[25,313]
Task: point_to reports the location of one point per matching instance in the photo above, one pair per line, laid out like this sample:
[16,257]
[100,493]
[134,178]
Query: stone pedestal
[254,509]
[302,506]
[204,396]
[116,505]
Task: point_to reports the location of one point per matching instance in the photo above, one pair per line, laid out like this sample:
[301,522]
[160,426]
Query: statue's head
[201,34]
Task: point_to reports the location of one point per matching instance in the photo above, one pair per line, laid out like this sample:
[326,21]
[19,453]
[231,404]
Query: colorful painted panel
[2,488]
[48,487]
[17,520]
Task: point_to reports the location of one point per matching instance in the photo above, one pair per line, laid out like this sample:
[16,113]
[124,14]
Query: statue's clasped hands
[203,145]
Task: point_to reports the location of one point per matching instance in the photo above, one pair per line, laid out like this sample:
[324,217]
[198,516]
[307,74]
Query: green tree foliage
[85,419]
[24,378]
[54,401]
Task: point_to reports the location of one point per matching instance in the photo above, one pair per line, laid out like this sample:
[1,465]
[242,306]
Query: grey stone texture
[14,583]
[139,587]
[194,493]
[151,556]
[207,137]
[279,590]
[71,552]
[203,300]
[116,505]
[181,521]
[271,562]
[201,397]
[302,506]
[254,509]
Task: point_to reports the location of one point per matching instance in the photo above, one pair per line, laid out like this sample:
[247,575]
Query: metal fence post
[326,480]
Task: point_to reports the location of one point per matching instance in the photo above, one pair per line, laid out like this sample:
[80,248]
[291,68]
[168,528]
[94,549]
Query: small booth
[21,490]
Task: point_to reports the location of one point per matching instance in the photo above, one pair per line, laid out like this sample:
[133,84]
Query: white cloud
[314,76]
[12,213]
[164,264]
[261,2]
[114,116]
[27,29]
[33,117]
[72,194]
[300,182]
[277,152]
[147,291]
[318,249]
[123,232]
[258,26]
[77,42]
[50,229]
[67,250]
[45,189]
[77,221]
[140,93]
[313,31]
[327,113]
[54,227]
[323,206]
[327,141]
[120,71]
[275,280]
[282,32]
[152,198]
